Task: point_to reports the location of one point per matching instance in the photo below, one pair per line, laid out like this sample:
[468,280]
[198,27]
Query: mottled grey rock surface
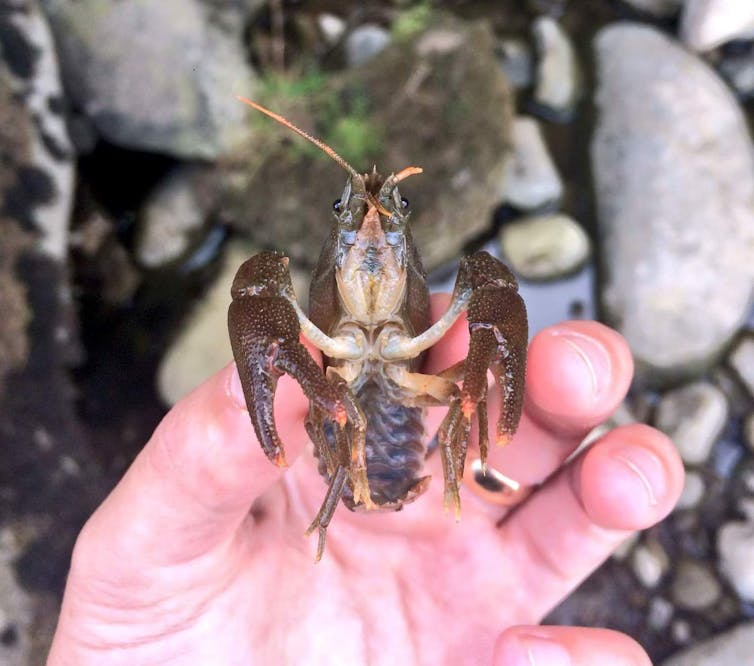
[154,76]
[674,173]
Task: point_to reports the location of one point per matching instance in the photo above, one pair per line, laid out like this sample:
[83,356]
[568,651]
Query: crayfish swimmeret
[369,314]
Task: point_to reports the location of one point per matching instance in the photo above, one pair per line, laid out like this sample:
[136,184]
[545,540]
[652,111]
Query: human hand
[198,555]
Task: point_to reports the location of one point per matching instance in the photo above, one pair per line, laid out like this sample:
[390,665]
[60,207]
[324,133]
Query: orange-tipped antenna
[405,173]
[321,145]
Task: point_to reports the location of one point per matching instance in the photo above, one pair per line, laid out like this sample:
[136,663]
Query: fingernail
[646,467]
[532,650]
[235,390]
[592,356]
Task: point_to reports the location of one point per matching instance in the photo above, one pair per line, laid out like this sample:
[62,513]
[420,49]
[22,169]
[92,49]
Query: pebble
[532,180]
[332,27]
[364,43]
[693,416]
[735,546]
[741,360]
[650,563]
[693,491]
[545,247]
[674,176]
[16,606]
[203,346]
[706,24]
[155,76]
[728,648]
[558,83]
[694,586]
[660,613]
[516,61]
[172,217]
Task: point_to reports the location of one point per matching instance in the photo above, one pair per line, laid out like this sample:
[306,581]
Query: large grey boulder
[674,174]
[157,76]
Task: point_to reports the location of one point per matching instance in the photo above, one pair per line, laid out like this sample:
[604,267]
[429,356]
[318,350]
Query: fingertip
[577,373]
[630,479]
[542,645]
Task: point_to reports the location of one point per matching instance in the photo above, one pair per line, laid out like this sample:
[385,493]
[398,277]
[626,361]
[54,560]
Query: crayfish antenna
[287,123]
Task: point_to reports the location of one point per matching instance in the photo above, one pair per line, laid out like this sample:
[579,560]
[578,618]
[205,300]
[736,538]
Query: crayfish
[369,315]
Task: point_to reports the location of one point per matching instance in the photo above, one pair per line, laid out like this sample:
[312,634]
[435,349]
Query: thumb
[192,485]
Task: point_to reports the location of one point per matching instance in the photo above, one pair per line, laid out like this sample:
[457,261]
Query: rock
[16,607]
[729,648]
[741,359]
[279,191]
[41,437]
[674,176]
[544,247]
[660,614]
[735,545]
[706,24]
[531,180]
[694,586]
[516,61]
[650,563]
[558,76]
[693,416]
[203,346]
[172,217]
[693,491]
[332,27]
[155,76]
[364,43]
[661,8]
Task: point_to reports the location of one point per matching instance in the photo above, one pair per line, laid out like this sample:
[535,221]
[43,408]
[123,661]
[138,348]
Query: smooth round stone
[735,545]
[741,359]
[695,587]
[650,563]
[693,491]
[674,176]
[693,416]
[532,179]
[558,76]
[545,247]
[364,43]
[660,613]
[706,24]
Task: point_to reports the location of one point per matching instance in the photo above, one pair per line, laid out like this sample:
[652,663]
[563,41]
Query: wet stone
[558,77]
[365,43]
[660,613]
[706,24]
[741,360]
[674,176]
[532,179]
[693,491]
[735,545]
[650,563]
[695,586]
[693,416]
[661,8]
[544,247]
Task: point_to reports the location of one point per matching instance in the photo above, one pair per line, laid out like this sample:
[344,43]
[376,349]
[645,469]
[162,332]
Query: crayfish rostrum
[369,314]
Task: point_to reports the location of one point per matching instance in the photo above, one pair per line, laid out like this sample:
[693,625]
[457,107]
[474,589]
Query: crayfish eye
[336,205]
[404,203]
